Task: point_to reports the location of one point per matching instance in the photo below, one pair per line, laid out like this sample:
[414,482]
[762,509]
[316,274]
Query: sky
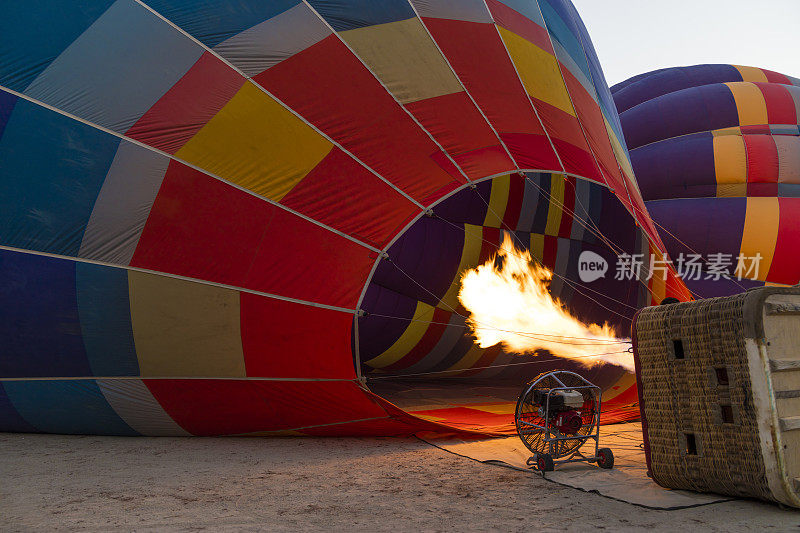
[636,36]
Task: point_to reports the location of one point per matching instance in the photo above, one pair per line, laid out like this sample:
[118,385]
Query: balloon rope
[531,334]
[396,376]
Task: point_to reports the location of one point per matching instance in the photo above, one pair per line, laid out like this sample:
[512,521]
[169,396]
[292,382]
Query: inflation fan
[557,413]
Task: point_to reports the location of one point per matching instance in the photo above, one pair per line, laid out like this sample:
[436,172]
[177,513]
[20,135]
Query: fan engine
[557,413]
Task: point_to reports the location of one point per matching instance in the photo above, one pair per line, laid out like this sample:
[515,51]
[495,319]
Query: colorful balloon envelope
[243,217]
[716,152]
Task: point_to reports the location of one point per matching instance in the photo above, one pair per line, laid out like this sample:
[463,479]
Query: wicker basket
[719,391]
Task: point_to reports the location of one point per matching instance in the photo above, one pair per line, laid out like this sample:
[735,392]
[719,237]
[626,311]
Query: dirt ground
[55,482]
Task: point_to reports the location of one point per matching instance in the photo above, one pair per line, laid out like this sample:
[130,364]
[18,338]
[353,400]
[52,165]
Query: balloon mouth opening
[416,345]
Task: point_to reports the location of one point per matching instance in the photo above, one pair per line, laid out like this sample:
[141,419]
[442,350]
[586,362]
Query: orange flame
[509,303]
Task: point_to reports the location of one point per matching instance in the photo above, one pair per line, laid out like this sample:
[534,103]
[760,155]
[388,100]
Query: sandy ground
[143,484]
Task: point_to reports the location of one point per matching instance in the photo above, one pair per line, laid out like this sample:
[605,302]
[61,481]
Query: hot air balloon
[242,217]
[716,152]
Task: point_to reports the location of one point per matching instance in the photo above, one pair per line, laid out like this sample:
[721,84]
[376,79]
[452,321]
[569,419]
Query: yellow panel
[761,231]
[507,408]
[403,56]
[537,246]
[182,328]
[498,201]
[554,210]
[730,160]
[470,255]
[735,190]
[621,385]
[538,71]
[410,337]
[658,283]
[733,130]
[750,103]
[620,153]
[255,142]
[751,73]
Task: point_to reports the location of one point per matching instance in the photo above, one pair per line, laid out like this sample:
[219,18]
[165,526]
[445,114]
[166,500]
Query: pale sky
[636,36]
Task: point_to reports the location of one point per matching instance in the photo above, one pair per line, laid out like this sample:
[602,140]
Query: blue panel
[35,32]
[113,73]
[527,8]
[7,101]
[561,27]
[10,419]
[105,317]
[543,180]
[212,21]
[345,15]
[52,171]
[788,190]
[40,332]
[66,406]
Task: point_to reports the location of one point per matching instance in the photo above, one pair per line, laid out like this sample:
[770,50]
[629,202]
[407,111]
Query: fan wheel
[605,458]
[544,462]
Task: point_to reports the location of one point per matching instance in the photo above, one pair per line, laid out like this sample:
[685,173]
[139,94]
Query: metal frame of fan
[537,418]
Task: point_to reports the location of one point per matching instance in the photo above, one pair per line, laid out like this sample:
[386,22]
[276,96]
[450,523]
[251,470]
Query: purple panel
[682,167]
[703,225]
[706,288]
[687,111]
[468,206]
[651,85]
[376,333]
[424,261]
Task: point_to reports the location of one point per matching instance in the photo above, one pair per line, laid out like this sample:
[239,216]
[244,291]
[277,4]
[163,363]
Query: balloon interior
[254,218]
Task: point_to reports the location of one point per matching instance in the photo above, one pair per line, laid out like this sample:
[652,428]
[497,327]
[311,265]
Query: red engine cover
[568,422]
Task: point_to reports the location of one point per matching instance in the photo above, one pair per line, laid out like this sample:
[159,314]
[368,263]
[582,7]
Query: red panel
[762,159]
[758,129]
[188,105]
[428,341]
[578,161]
[459,127]
[591,118]
[550,249]
[207,407]
[202,228]
[518,23]
[762,189]
[478,56]
[290,340]
[785,266]
[333,90]
[532,152]
[780,104]
[775,77]
[490,245]
[382,427]
[343,194]
[301,260]
[516,194]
